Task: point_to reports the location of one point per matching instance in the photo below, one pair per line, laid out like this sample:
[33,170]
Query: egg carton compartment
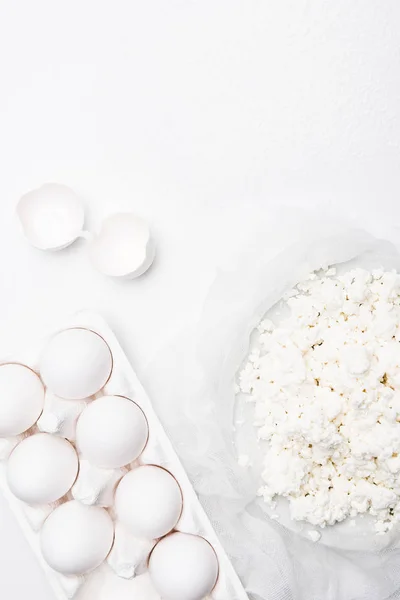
[94,481]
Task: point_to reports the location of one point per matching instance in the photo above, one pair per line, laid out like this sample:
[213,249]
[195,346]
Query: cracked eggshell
[95,486]
[76,363]
[123,248]
[76,539]
[42,469]
[21,399]
[111,432]
[148,501]
[52,216]
[183,567]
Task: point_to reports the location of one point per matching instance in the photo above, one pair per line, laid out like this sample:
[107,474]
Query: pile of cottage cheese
[326,388]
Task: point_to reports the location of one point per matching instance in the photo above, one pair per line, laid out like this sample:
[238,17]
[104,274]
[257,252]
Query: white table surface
[200,116]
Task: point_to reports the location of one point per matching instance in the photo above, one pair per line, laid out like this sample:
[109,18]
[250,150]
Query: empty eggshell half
[76,363]
[75,539]
[111,432]
[42,469]
[52,216]
[183,567]
[123,248]
[148,501]
[21,399]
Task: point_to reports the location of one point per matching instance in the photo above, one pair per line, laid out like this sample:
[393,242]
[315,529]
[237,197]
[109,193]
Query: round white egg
[75,539]
[183,567]
[42,469]
[21,399]
[111,432]
[76,363]
[148,501]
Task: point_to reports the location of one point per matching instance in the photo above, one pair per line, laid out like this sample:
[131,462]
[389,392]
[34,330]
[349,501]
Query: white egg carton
[123,575]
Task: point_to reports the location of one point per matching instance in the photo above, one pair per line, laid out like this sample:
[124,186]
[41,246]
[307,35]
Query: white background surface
[200,116]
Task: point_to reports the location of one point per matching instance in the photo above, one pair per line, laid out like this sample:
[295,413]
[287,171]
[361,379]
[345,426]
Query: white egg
[75,539]
[42,469]
[111,432]
[123,248]
[76,363]
[183,567]
[51,216]
[148,501]
[21,399]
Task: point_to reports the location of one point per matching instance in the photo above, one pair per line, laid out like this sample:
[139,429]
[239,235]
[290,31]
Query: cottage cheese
[325,384]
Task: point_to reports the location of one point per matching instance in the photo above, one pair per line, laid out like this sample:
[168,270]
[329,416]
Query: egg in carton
[94,481]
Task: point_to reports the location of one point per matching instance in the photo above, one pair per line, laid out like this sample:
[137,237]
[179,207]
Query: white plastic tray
[103,583]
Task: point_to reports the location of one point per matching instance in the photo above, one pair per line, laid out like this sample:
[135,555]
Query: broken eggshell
[123,248]
[52,216]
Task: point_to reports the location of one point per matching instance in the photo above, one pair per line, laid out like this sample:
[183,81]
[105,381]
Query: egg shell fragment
[76,363]
[148,501]
[42,469]
[21,399]
[111,432]
[183,567]
[75,539]
[52,216]
[123,248]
